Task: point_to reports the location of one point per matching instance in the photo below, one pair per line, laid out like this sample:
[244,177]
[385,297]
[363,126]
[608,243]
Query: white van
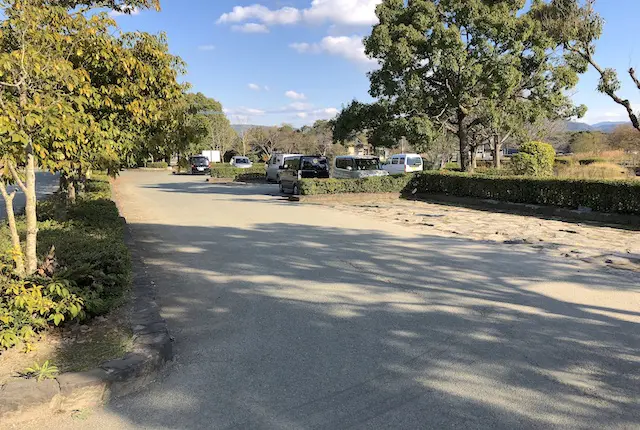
[352,167]
[404,163]
[275,164]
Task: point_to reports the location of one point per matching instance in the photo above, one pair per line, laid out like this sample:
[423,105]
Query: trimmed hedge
[228,171]
[376,184]
[615,196]
[157,165]
[250,177]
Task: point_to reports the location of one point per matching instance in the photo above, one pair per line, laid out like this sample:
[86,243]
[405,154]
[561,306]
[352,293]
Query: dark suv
[199,164]
[301,167]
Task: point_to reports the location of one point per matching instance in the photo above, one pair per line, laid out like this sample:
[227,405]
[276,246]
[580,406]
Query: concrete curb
[152,348]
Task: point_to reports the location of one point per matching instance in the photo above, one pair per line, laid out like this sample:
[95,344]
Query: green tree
[457,66]
[593,142]
[575,25]
[55,111]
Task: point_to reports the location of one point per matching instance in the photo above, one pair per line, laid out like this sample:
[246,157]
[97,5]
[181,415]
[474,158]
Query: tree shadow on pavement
[292,326]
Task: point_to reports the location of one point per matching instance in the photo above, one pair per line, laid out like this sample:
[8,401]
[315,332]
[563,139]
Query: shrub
[157,165]
[602,196]
[94,266]
[249,177]
[534,159]
[230,172]
[492,171]
[378,184]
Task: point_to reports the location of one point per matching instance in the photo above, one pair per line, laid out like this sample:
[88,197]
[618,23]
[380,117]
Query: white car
[352,167]
[241,162]
[404,163]
[276,164]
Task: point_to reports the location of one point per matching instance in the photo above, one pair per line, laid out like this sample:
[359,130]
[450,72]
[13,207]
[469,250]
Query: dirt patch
[75,348]
[599,244]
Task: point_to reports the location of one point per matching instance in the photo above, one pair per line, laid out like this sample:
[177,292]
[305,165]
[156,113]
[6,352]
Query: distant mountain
[605,127]
[578,126]
[608,127]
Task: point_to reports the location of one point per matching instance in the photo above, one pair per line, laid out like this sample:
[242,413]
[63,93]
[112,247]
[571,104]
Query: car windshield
[367,164]
[242,161]
[316,163]
[200,161]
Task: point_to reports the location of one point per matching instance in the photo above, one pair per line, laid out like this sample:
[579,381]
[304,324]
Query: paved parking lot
[290,316]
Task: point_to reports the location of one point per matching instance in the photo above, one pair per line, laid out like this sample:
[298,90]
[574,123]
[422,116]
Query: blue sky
[295,61]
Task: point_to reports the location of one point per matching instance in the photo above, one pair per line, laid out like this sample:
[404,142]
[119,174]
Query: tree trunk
[18,258]
[71,191]
[30,211]
[463,138]
[497,151]
[474,159]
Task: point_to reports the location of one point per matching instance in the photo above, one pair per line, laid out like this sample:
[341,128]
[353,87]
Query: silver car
[354,167]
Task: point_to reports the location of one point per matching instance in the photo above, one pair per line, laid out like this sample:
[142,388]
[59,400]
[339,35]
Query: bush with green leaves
[534,159]
[377,184]
[614,196]
[157,165]
[94,266]
[229,172]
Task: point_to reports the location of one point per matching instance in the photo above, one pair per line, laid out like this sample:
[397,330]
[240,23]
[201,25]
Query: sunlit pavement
[290,316]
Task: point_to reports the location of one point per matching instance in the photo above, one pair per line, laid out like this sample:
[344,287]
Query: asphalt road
[290,316]
[46,183]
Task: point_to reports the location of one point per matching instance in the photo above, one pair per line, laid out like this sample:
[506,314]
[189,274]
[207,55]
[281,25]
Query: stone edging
[152,348]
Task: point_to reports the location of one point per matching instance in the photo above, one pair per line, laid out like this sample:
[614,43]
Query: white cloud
[295,112]
[341,12]
[130,10]
[244,111]
[286,15]
[266,88]
[348,47]
[345,12]
[254,87]
[295,96]
[298,106]
[251,28]
[206,47]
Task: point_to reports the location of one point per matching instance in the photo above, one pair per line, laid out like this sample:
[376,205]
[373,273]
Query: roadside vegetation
[79,95]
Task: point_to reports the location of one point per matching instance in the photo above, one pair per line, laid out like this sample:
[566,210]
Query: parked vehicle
[241,162]
[199,165]
[404,163]
[297,168]
[275,165]
[353,167]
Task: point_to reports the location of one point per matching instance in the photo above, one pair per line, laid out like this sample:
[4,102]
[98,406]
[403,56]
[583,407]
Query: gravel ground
[605,245]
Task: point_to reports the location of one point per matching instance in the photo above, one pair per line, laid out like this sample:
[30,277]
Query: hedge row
[599,195]
[228,171]
[157,165]
[376,184]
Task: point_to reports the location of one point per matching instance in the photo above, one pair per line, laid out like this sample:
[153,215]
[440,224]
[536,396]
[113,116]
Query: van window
[401,160]
[343,163]
[394,160]
[414,161]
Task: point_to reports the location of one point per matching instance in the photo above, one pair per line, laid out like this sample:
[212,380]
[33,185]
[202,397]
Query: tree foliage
[74,92]
[576,26]
[458,66]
